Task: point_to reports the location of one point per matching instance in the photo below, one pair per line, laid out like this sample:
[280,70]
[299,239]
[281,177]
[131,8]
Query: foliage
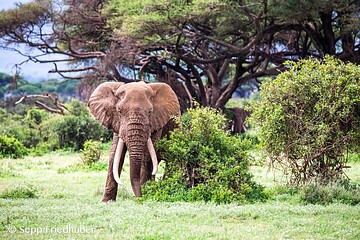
[5,81]
[61,87]
[342,192]
[90,158]
[213,46]
[354,157]
[332,193]
[309,116]
[316,9]
[91,152]
[24,87]
[11,147]
[36,116]
[77,195]
[26,15]
[20,191]
[27,129]
[79,126]
[204,163]
[77,108]
[41,132]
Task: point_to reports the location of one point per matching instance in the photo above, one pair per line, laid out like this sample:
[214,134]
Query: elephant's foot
[108,199]
[110,193]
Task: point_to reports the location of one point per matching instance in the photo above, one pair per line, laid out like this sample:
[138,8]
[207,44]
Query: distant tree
[44,94]
[5,79]
[28,89]
[204,49]
[67,87]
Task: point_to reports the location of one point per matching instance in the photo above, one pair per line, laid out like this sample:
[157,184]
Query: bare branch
[59,106]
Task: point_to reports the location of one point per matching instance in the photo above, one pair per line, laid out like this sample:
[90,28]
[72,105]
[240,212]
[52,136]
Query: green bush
[353,157]
[42,132]
[91,152]
[308,117]
[36,116]
[48,133]
[26,129]
[332,193]
[16,126]
[21,191]
[41,149]
[11,147]
[75,129]
[204,163]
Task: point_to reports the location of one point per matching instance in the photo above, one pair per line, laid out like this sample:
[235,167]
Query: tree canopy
[204,49]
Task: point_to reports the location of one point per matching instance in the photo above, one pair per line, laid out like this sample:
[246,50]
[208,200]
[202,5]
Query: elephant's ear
[165,105]
[102,104]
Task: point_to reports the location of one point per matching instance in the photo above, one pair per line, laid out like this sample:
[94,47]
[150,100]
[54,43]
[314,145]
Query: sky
[30,71]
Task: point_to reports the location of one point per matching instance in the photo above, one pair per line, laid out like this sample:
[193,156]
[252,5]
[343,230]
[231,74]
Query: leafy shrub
[42,132]
[41,149]
[16,126]
[91,152]
[354,157]
[21,191]
[75,129]
[284,193]
[77,108]
[332,193]
[204,163]
[36,116]
[26,129]
[48,134]
[308,116]
[251,137]
[11,147]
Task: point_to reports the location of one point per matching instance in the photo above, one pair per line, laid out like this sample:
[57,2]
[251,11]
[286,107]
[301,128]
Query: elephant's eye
[120,109]
[120,94]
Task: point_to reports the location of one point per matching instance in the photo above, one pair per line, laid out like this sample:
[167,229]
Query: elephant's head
[134,111]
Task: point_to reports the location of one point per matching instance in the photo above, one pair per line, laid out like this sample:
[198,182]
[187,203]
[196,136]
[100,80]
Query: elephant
[139,113]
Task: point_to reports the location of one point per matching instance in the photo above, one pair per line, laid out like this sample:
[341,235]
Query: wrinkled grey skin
[138,113]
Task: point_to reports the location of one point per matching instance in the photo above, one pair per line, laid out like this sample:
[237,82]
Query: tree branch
[59,106]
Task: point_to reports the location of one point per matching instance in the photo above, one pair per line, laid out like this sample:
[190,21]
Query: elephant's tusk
[118,152]
[153,156]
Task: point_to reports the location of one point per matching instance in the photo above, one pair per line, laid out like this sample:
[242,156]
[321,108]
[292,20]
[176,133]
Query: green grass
[70,201]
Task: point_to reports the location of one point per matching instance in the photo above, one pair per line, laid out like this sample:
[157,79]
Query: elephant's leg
[111,185]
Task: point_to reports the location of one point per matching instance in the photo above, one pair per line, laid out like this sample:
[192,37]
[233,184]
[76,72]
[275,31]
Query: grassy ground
[61,203]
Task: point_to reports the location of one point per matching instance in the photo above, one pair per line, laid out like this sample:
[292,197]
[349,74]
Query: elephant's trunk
[138,141]
[136,157]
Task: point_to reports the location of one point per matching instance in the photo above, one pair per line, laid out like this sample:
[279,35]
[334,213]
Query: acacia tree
[204,49]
